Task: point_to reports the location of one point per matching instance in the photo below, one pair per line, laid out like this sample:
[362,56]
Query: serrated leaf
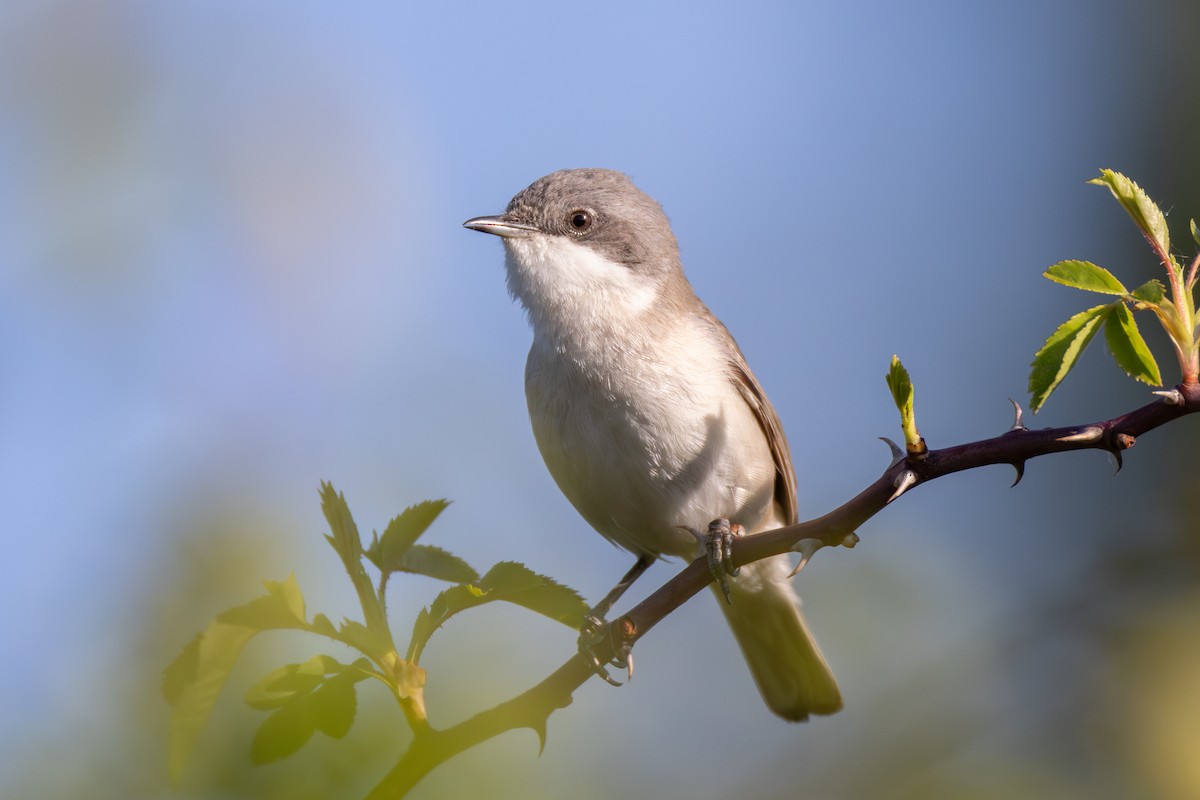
[284,732]
[345,538]
[1128,348]
[1152,292]
[328,706]
[1144,211]
[182,671]
[348,545]
[281,607]
[278,685]
[363,639]
[196,680]
[402,532]
[321,625]
[446,604]
[335,704]
[901,387]
[516,583]
[1060,353]
[508,581]
[434,562]
[1085,275]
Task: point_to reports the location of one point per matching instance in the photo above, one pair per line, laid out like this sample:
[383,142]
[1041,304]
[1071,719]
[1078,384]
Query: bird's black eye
[580,220]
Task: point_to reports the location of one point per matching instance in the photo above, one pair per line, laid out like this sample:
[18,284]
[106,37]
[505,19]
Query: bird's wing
[750,390]
[785,475]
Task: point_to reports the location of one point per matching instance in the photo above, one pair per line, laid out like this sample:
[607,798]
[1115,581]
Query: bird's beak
[501,226]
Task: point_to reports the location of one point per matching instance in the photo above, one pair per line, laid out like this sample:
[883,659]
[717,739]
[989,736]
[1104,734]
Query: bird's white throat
[566,285]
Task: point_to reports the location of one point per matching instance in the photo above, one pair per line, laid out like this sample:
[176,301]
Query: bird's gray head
[587,242]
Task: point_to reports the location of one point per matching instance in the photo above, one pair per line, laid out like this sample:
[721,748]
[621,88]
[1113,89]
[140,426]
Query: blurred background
[231,266]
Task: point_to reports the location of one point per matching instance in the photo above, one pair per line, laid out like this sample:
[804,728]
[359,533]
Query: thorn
[1018,418]
[539,727]
[898,455]
[1089,434]
[1019,466]
[904,481]
[1171,398]
[806,548]
[1116,454]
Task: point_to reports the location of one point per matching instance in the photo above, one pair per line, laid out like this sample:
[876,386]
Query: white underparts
[561,282]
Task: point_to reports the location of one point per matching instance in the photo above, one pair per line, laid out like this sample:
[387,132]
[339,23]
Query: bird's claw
[718,548]
[592,633]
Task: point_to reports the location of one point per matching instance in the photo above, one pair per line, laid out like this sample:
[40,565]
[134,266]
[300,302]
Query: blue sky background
[231,266]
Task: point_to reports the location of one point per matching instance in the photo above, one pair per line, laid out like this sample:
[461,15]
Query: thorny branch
[431,747]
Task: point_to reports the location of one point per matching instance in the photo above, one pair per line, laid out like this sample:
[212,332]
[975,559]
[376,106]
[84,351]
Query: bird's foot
[718,548]
[598,633]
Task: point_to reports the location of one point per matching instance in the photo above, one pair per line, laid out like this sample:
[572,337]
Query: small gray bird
[645,410]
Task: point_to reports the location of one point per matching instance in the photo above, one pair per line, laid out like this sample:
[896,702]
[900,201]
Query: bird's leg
[595,628]
[718,546]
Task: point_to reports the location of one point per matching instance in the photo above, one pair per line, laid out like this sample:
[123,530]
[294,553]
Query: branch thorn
[806,548]
[904,481]
[898,455]
[1088,434]
[1171,398]
[1018,418]
[1019,466]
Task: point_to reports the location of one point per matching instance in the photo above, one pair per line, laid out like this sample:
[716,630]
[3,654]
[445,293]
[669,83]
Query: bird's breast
[644,437]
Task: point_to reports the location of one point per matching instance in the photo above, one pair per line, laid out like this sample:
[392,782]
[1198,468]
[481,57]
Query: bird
[646,413]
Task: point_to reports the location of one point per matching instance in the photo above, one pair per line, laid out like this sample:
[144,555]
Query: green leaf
[402,532]
[1085,275]
[192,684]
[281,607]
[336,703]
[322,626]
[434,562]
[182,671]
[285,731]
[1128,348]
[1151,292]
[1060,353]
[1144,211]
[901,387]
[516,583]
[445,605]
[328,706]
[508,581]
[279,685]
[367,641]
[345,538]
[1195,231]
[348,544]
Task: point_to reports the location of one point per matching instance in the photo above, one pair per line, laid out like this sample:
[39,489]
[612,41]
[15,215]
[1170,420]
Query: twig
[1014,447]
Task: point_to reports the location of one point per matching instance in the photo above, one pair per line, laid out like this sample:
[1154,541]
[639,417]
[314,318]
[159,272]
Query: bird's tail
[765,617]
